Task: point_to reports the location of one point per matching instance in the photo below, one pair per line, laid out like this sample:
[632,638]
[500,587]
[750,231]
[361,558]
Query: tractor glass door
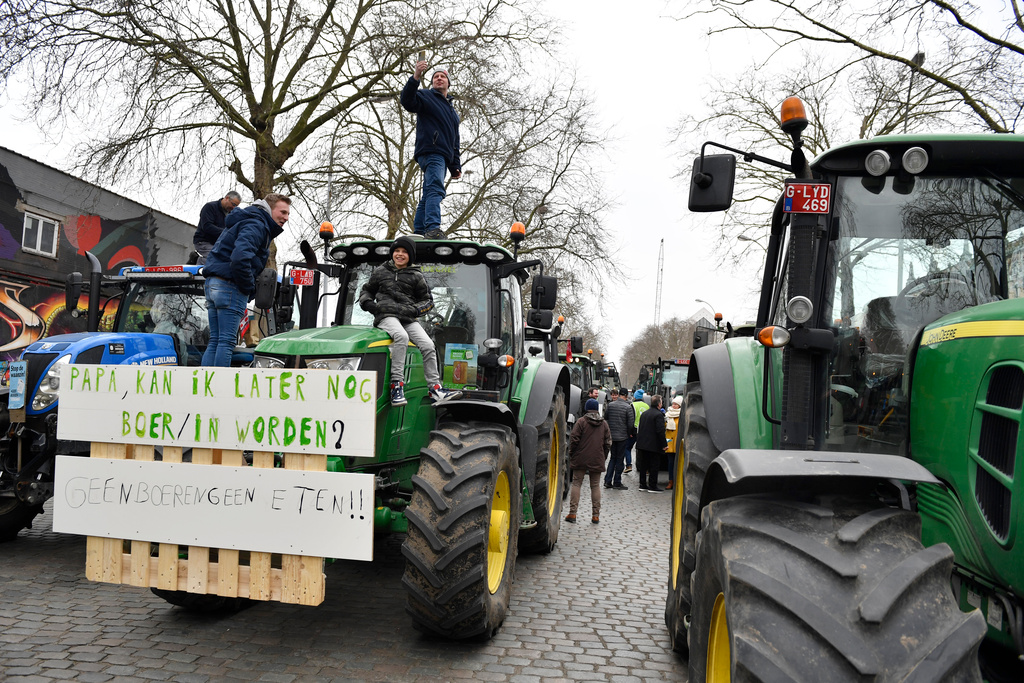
[177,310]
[458,322]
[909,252]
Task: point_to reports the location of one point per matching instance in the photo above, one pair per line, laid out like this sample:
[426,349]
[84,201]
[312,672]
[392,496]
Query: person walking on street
[211,222]
[650,444]
[589,443]
[673,422]
[620,420]
[239,255]
[396,294]
[639,406]
[437,144]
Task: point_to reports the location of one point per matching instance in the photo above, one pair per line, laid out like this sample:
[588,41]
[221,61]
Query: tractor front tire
[15,515]
[462,542]
[692,462]
[549,484]
[825,589]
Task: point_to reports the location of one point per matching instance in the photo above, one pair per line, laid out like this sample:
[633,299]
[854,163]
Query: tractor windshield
[674,377]
[460,293]
[177,310]
[909,253]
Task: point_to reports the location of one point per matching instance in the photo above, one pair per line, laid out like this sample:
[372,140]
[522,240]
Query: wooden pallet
[296,579]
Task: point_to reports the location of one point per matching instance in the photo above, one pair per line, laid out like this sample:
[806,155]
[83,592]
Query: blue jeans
[629,451]
[225,306]
[428,211]
[613,476]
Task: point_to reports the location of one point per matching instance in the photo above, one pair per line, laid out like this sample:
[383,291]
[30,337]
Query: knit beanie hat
[405,242]
[639,395]
[591,405]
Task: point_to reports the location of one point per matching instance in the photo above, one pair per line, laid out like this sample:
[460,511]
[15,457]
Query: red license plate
[807,198]
[302,277]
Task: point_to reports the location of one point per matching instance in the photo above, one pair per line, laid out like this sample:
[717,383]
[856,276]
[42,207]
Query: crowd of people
[602,442]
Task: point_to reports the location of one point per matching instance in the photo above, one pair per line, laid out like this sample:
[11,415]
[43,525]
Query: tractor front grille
[997,446]
[37,363]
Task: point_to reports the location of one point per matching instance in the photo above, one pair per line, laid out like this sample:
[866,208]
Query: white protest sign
[321,514]
[258,409]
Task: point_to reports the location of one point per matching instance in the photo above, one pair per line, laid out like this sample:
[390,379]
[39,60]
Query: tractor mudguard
[744,471]
[712,367]
[547,377]
[575,393]
[475,411]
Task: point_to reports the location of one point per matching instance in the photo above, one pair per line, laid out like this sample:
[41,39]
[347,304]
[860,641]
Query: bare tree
[167,86]
[975,51]
[843,102]
[671,339]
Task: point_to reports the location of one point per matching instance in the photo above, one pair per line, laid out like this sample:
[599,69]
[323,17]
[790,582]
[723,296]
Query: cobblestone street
[592,610]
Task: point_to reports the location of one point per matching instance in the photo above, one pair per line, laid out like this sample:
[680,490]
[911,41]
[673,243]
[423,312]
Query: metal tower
[657,295]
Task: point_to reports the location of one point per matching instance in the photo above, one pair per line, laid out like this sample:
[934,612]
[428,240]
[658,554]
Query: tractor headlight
[346,363]
[50,385]
[877,162]
[915,160]
[799,309]
[267,362]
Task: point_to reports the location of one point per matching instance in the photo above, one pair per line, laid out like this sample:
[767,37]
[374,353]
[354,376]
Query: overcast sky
[644,71]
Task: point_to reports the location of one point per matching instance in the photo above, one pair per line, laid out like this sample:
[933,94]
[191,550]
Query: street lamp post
[918,61]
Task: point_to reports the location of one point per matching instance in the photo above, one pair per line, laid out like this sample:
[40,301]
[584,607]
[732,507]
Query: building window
[40,235]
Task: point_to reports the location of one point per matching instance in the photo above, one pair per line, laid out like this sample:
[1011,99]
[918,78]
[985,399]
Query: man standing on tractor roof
[396,294]
[211,222]
[437,144]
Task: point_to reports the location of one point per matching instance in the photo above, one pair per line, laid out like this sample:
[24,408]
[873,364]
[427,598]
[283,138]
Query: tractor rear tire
[462,542]
[15,515]
[825,589]
[692,462]
[549,484]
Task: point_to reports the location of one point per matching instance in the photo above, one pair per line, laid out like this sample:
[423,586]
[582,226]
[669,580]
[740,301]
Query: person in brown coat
[589,445]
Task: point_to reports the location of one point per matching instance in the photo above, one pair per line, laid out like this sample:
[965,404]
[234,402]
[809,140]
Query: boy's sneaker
[398,394]
[439,393]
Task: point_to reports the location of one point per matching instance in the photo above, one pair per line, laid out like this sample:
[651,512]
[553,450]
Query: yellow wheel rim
[497,532]
[554,469]
[718,644]
[678,503]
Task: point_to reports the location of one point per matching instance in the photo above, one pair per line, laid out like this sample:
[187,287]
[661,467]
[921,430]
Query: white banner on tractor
[288,411]
[245,508]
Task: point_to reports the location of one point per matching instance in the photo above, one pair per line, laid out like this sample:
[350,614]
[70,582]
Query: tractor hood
[325,341]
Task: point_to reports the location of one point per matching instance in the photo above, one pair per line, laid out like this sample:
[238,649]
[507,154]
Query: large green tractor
[473,480]
[850,500]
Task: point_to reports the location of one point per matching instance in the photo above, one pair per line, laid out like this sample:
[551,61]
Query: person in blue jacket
[240,254]
[437,144]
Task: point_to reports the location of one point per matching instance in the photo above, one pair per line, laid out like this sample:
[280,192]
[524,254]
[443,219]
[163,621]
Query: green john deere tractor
[474,480]
[850,498]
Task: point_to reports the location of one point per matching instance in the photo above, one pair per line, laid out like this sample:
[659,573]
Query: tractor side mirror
[544,292]
[542,320]
[266,288]
[72,292]
[285,304]
[576,344]
[711,182]
[700,339]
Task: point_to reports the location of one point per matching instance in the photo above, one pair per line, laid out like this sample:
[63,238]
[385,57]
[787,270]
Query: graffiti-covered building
[48,220]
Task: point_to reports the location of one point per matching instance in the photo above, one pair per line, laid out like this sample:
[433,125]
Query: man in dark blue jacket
[211,222]
[239,255]
[437,144]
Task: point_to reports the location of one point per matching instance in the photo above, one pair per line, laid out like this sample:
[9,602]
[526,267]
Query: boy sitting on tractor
[396,294]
